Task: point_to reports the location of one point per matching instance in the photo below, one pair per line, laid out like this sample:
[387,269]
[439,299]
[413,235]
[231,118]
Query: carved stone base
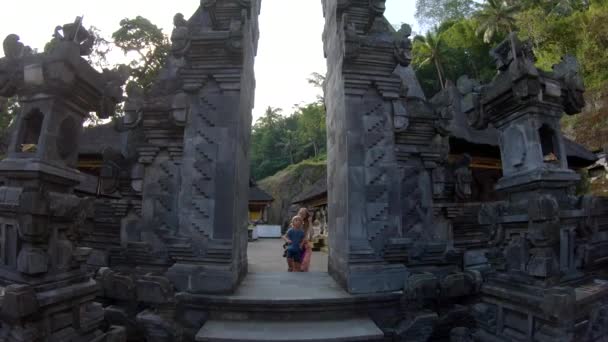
[362,279]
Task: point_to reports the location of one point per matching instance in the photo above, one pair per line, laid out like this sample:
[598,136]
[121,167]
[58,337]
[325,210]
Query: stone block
[19,301]
[98,258]
[116,334]
[119,316]
[156,327]
[116,286]
[154,290]
[33,261]
[422,286]
[456,285]
[33,74]
[376,278]
[202,279]
[417,328]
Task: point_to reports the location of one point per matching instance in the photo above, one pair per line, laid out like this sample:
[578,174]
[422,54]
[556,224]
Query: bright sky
[290,46]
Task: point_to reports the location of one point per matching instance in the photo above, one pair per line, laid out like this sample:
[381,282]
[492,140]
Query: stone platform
[292,307]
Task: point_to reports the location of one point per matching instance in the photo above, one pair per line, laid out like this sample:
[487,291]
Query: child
[295,238]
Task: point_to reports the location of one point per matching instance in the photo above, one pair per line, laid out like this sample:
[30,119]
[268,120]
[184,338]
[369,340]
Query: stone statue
[568,71]
[113,81]
[463,178]
[133,105]
[179,36]
[13,48]
[403,45]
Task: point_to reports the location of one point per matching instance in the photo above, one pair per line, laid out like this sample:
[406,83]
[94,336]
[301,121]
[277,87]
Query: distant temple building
[259,202]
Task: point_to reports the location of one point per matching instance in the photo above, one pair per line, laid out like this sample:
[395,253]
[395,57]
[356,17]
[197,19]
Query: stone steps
[347,330]
[291,307]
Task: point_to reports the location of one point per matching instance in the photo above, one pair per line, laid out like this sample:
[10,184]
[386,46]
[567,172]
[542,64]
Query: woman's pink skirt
[305,265]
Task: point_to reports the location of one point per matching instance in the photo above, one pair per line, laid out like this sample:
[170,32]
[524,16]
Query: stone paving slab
[358,329]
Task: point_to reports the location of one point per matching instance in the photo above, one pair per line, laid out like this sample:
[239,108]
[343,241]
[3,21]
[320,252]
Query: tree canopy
[460,43]
[280,140]
[148,43]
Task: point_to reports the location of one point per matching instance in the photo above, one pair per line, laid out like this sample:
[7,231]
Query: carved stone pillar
[361,91]
[217,93]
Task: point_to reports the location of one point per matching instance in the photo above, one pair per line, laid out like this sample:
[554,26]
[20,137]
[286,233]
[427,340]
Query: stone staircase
[292,307]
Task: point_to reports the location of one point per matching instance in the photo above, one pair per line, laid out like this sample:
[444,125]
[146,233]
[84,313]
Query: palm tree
[270,118]
[432,50]
[496,16]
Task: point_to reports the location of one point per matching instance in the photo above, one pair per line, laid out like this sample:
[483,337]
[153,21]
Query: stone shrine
[47,294]
[543,287]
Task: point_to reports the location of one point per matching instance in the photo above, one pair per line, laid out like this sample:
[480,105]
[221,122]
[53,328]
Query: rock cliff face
[289,183]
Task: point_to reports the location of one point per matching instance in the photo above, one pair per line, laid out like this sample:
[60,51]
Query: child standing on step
[295,238]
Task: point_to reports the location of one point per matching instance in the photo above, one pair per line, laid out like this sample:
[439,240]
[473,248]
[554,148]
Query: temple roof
[258,195]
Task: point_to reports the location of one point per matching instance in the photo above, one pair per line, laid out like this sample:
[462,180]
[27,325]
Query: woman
[308,236]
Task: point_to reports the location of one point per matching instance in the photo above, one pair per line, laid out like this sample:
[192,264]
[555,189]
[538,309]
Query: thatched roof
[258,195]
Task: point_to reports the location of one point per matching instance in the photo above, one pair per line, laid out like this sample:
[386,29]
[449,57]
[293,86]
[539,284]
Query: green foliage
[8,109]
[583,186]
[452,50]
[278,141]
[431,13]
[430,49]
[146,41]
[555,27]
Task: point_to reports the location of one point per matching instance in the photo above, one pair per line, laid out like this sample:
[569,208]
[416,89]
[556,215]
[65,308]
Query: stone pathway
[265,255]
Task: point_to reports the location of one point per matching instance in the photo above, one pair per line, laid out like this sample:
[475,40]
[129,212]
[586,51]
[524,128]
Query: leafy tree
[151,46]
[431,13]
[101,48]
[495,17]
[318,81]
[311,125]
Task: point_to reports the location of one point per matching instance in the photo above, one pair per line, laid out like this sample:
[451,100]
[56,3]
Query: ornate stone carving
[180,37]
[75,33]
[403,45]
[13,48]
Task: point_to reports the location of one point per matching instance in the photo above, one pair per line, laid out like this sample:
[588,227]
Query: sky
[290,46]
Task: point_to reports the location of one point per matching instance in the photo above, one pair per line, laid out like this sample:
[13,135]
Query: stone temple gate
[156,249]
